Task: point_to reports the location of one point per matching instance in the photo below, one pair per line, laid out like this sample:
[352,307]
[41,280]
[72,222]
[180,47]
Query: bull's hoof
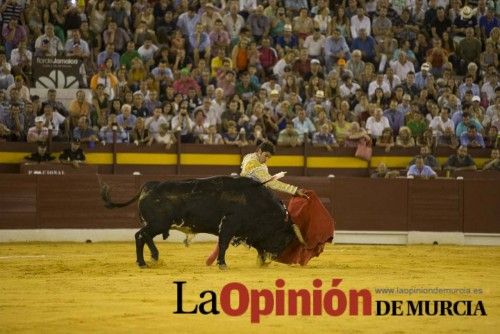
[142,265]
[223,266]
[186,242]
[155,257]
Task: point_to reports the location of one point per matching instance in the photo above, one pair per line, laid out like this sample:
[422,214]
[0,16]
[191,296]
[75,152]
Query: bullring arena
[133,128]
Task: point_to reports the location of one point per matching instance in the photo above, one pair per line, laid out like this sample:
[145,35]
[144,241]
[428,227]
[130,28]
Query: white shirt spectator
[347,91]
[153,124]
[402,70]
[16,58]
[357,24]
[375,127]
[146,52]
[374,85]
[314,47]
[57,120]
[437,124]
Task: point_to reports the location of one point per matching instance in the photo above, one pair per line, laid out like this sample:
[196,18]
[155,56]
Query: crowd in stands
[395,73]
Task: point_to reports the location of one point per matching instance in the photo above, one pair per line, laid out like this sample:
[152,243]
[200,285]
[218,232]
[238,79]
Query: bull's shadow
[237,209]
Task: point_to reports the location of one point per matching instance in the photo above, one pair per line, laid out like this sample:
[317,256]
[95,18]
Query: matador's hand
[301,193]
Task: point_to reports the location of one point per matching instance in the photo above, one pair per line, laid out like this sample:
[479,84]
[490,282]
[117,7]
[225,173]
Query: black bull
[237,209]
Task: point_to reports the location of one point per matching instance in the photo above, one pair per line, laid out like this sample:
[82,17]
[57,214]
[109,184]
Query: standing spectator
[395,117]
[460,161]
[258,23]
[109,53]
[187,21]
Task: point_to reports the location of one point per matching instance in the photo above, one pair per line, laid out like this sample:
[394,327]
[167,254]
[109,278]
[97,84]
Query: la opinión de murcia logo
[235,299]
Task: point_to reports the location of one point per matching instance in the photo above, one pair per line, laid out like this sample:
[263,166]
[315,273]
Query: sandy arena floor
[96,288]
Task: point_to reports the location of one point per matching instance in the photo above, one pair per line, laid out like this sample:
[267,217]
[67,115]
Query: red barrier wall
[73,201]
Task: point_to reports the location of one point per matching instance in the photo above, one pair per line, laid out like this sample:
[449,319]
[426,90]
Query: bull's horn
[296,229]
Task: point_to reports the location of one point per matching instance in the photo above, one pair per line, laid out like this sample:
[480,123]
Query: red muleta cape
[317,227]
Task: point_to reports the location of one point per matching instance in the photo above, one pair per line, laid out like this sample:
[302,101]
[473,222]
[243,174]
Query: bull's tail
[110,204]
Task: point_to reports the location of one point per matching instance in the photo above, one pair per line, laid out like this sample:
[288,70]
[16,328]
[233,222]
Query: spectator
[494,162]
[212,137]
[112,132]
[441,122]
[448,139]
[383,172]
[73,155]
[492,140]
[41,154]
[140,135]
[467,120]
[183,125]
[233,137]
[420,170]
[324,138]
[359,22]
[471,138]
[38,133]
[84,133]
[154,122]
[460,161]
[404,138]
[13,34]
[366,44]
[429,159]
[376,124]
[109,53]
[289,136]
[165,137]
[386,139]
[335,48]
[303,124]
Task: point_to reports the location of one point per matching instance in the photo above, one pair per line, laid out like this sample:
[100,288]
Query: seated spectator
[154,122]
[41,154]
[441,122]
[14,122]
[420,170]
[112,132]
[376,124]
[303,124]
[395,116]
[109,53]
[492,140]
[140,134]
[183,124]
[471,138]
[448,139]
[355,135]
[48,44]
[383,172]
[494,162]
[429,159]
[212,137]
[417,125]
[39,132]
[125,119]
[106,78]
[200,127]
[164,136]
[341,128]
[289,136]
[467,120]
[404,138]
[257,136]
[386,139]
[233,137]
[460,161]
[73,155]
[324,138]
[85,133]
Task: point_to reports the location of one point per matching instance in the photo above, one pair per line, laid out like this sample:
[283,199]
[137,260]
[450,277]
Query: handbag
[364,151]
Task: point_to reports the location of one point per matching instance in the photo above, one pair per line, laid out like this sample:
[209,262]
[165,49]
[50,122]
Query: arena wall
[393,211]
